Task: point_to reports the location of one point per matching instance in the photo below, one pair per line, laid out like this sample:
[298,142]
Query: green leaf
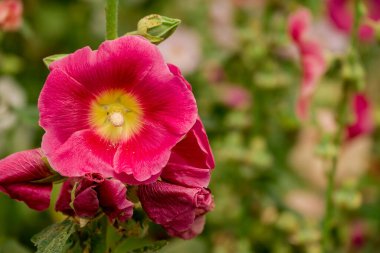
[53,239]
[153,247]
[52,58]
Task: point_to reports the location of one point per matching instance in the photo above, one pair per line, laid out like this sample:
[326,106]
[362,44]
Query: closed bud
[156,28]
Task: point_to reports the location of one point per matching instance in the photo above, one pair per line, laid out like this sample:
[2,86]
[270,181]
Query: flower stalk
[112,19]
[341,114]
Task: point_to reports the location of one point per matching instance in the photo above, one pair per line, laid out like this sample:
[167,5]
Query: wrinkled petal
[84,152]
[191,159]
[17,172]
[36,196]
[174,207]
[113,200]
[86,203]
[195,229]
[64,198]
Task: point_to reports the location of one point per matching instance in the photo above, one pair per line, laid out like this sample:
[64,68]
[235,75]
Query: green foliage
[54,239]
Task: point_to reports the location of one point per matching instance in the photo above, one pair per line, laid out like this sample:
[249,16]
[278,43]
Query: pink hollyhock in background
[91,193]
[114,111]
[312,59]
[18,173]
[180,201]
[341,15]
[364,121]
[10,15]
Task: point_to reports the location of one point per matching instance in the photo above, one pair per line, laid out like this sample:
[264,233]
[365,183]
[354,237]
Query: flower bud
[157,28]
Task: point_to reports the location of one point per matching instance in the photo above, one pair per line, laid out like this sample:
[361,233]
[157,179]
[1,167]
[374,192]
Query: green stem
[111,19]
[327,235]
[329,203]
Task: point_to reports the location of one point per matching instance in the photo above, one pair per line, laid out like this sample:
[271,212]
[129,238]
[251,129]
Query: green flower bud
[156,28]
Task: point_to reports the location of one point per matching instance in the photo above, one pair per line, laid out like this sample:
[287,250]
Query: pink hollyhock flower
[180,201]
[117,111]
[91,193]
[312,59]
[10,15]
[364,122]
[342,17]
[18,173]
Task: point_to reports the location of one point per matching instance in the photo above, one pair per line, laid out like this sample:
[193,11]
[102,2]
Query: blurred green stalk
[111,19]
[327,226]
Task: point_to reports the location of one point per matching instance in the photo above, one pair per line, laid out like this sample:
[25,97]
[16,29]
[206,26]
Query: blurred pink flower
[307,203]
[223,24]
[312,59]
[183,49]
[233,96]
[10,15]
[114,111]
[91,193]
[180,201]
[364,120]
[341,16]
[17,175]
[358,234]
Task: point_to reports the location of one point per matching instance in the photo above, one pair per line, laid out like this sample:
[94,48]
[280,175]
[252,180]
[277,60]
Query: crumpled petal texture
[191,161]
[17,172]
[91,193]
[178,209]
[131,64]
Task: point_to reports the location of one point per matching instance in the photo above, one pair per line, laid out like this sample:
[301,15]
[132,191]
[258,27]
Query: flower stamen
[117,119]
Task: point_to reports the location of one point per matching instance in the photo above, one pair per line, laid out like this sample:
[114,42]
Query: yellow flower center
[116,115]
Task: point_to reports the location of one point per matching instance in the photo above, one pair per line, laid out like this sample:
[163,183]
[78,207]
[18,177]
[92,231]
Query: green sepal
[52,58]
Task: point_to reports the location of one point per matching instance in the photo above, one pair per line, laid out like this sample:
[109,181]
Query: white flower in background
[183,49]
[223,25]
[12,98]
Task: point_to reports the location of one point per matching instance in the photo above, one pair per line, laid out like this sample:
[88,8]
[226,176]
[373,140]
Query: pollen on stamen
[116,118]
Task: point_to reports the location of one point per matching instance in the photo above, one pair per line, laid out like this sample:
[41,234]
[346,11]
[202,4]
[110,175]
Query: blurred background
[269,180]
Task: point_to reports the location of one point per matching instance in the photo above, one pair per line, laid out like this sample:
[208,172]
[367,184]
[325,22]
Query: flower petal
[119,63]
[64,198]
[63,105]
[17,172]
[36,196]
[174,207]
[143,157]
[84,152]
[113,200]
[86,203]
[191,159]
